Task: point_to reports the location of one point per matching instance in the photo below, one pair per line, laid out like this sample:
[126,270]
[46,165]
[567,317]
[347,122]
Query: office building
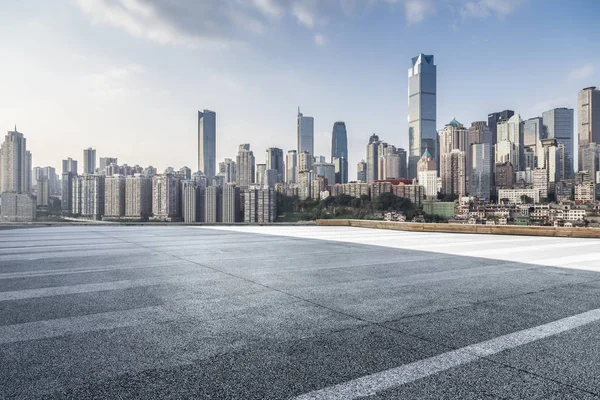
[422,131]
[165,197]
[274,160]
[114,196]
[261,169]
[88,196]
[184,173]
[305,161]
[89,161]
[15,164]
[340,166]
[69,165]
[427,175]
[494,119]
[207,142]
[213,201]
[231,203]
[392,162]
[306,134]
[481,171]
[373,158]
[291,167]
[559,125]
[588,119]
[138,197]
[228,170]
[325,170]
[18,207]
[339,149]
[361,171]
[591,158]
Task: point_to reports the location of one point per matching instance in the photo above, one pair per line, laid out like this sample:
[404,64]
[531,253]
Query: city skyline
[116,90]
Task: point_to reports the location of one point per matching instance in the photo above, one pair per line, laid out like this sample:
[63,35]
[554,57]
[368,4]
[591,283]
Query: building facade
[114,196]
[89,161]
[559,125]
[245,166]
[165,197]
[588,119]
[422,92]
[207,142]
[138,197]
[305,133]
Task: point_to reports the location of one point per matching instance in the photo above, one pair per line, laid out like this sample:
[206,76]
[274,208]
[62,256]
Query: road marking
[371,384]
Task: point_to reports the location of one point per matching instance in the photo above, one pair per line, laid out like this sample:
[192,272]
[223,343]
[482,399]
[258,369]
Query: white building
[515,196]
[192,201]
[138,197]
[165,197]
[15,164]
[88,196]
[18,207]
[114,197]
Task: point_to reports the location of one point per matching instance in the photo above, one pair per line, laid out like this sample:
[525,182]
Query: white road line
[384,380]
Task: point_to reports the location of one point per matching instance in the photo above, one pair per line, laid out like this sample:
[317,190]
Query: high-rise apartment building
[114,196]
[213,201]
[373,158]
[89,161]
[165,197]
[66,198]
[138,197]
[422,93]
[480,184]
[392,162]
[305,133]
[259,205]
[590,158]
[588,119]
[105,162]
[15,164]
[305,161]
[291,167]
[231,203]
[274,160]
[228,170]
[192,201]
[427,175]
[88,196]
[361,171]
[43,191]
[69,165]
[261,169]
[207,142]
[453,172]
[559,125]
[245,166]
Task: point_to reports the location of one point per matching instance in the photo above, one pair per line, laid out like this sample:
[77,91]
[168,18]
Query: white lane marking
[85,323]
[572,253]
[371,384]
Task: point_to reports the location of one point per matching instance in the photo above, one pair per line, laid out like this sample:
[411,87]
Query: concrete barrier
[459,228]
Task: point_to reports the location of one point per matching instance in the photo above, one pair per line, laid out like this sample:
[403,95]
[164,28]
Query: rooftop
[296,312]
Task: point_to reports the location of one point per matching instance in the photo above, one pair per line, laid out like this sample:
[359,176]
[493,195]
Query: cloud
[270,8]
[487,8]
[583,72]
[320,40]
[114,82]
[304,11]
[417,10]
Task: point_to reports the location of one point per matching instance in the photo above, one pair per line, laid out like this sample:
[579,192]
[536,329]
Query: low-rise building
[517,196]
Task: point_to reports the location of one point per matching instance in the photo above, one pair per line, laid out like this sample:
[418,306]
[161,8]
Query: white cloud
[113,82]
[270,8]
[304,11]
[417,10]
[320,40]
[487,8]
[583,72]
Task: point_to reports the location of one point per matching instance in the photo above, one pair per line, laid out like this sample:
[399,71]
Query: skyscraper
[481,171]
[494,119]
[165,197]
[339,148]
[373,158]
[427,175]
[291,175]
[245,166]
[207,143]
[361,171]
[138,197]
[114,196]
[69,165]
[274,160]
[231,203]
[422,91]
[105,162]
[559,125]
[89,161]
[228,169]
[340,166]
[15,164]
[453,173]
[588,119]
[192,201]
[509,147]
[306,133]
[88,196]
[454,136]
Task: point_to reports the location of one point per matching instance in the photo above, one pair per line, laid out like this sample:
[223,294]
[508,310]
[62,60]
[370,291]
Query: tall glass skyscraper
[89,161]
[559,125]
[306,133]
[207,143]
[339,149]
[588,119]
[422,91]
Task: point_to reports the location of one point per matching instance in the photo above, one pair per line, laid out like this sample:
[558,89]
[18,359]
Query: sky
[127,76]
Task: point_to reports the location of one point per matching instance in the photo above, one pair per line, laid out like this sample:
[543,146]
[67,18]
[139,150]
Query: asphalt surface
[246,313]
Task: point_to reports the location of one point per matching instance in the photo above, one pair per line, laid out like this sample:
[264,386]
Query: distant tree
[356,203]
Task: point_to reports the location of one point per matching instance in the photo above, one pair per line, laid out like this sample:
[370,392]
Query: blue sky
[127,76]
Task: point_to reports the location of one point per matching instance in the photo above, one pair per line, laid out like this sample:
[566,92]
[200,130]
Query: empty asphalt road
[181,312]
